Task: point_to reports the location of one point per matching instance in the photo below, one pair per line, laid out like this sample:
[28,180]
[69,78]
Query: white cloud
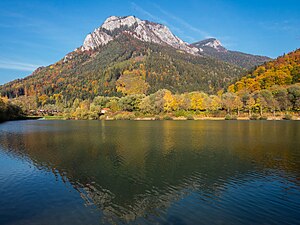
[183,22]
[13,65]
[148,14]
[162,21]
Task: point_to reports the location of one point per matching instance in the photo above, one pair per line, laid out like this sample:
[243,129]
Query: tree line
[9,111]
[278,99]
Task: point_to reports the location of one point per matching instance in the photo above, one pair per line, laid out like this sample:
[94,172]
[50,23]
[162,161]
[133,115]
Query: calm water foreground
[139,172]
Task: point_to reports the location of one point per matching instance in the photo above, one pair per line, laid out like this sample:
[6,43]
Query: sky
[38,33]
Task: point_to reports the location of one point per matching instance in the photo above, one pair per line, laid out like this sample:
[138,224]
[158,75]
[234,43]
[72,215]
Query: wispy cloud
[183,22]
[162,21]
[285,25]
[146,13]
[14,65]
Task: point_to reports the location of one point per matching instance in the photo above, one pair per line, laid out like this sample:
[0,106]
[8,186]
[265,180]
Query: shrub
[263,118]
[190,117]
[254,117]
[102,117]
[67,116]
[181,113]
[118,117]
[230,117]
[167,117]
[124,116]
[287,117]
[93,116]
[157,117]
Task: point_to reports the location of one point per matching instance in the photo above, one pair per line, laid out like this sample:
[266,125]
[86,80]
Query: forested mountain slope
[284,70]
[213,47]
[126,56]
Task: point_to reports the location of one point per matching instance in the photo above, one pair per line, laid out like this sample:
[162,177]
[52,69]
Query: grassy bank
[53,117]
[165,116]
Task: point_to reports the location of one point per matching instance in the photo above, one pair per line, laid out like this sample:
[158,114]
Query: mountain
[126,55]
[210,44]
[140,29]
[213,47]
[283,71]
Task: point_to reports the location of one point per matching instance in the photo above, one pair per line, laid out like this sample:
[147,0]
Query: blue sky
[35,33]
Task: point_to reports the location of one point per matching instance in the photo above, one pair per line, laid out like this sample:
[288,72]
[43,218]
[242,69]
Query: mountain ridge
[213,48]
[141,29]
[283,71]
[127,49]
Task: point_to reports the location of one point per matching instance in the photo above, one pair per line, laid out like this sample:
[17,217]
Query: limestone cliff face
[140,29]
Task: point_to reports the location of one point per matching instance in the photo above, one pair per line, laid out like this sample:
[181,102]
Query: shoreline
[175,119]
[160,118]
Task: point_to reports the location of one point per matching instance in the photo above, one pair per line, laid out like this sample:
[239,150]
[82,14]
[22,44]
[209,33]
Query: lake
[150,172]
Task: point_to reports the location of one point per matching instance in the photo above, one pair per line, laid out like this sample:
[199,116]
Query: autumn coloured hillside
[285,70]
[9,111]
[130,65]
[124,66]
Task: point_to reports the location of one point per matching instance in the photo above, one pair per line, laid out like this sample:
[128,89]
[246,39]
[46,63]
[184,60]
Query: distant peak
[212,43]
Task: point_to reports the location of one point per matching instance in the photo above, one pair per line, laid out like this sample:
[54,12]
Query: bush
[263,118]
[181,113]
[93,116]
[230,117]
[167,117]
[67,116]
[254,117]
[190,117]
[102,117]
[287,117]
[157,118]
[118,117]
[124,117]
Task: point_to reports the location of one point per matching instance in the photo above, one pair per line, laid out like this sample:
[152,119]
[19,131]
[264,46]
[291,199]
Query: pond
[150,172]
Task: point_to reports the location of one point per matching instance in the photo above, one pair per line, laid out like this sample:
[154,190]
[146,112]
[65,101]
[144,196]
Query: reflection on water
[170,172]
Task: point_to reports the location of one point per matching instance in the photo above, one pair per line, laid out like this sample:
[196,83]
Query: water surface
[145,172]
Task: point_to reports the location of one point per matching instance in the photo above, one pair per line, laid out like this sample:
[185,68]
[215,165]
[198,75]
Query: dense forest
[125,65]
[140,79]
[285,70]
[240,59]
[163,104]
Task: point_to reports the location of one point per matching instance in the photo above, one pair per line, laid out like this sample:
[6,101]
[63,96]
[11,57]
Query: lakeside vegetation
[271,90]
[9,111]
[279,101]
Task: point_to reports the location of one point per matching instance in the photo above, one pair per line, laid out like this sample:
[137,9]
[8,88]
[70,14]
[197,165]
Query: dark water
[157,172]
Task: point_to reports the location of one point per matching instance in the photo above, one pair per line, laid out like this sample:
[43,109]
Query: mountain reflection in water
[174,172]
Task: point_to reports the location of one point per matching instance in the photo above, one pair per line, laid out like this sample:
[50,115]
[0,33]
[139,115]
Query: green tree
[130,102]
[294,96]
[230,101]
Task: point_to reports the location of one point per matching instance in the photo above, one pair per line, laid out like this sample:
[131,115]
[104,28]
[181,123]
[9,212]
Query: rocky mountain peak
[143,30]
[214,43]
[115,22]
[210,43]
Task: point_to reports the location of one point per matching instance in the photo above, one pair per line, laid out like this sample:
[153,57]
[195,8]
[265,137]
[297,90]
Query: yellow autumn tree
[199,101]
[171,102]
[215,103]
[132,82]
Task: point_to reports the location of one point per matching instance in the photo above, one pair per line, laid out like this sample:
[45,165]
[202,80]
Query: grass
[53,117]
[230,117]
